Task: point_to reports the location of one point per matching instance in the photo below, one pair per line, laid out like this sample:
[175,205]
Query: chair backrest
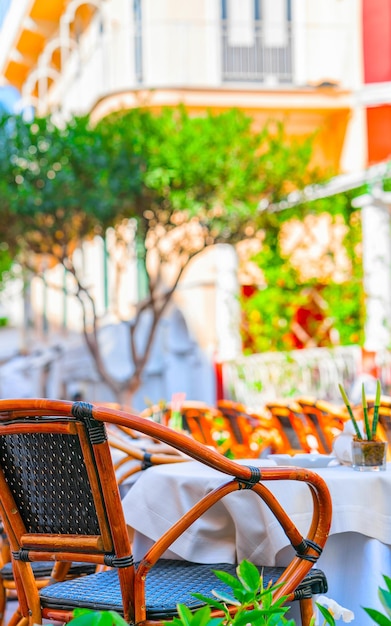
[301,434]
[59,495]
[204,423]
[255,432]
[326,418]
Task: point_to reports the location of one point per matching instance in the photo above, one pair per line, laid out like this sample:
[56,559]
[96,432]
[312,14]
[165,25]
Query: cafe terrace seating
[299,430]
[257,432]
[133,459]
[326,418]
[59,501]
[208,425]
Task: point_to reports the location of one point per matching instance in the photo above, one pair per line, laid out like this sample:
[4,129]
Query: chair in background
[205,424]
[300,433]
[45,572]
[209,426]
[326,418]
[129,459]
[258,432]
[59,501]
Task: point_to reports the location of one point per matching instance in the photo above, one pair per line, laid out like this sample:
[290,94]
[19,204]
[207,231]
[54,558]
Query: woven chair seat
[168,583]
[43,569]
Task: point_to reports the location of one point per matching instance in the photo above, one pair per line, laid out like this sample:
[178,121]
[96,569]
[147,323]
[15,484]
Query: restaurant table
[357,552]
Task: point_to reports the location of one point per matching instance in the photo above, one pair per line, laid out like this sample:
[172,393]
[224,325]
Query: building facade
[295,60]
[320,67]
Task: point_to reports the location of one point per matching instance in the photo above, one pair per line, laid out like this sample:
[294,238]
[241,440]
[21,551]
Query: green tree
[60,186]
[202,181]
[189,182]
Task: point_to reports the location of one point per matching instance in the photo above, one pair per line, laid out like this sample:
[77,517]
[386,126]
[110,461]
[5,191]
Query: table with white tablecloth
[357,552]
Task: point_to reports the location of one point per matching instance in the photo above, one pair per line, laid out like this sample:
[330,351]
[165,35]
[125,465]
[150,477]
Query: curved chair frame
[44,434]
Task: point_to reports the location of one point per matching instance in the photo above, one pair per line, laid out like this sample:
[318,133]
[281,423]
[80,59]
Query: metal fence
[258,378]
[258,61]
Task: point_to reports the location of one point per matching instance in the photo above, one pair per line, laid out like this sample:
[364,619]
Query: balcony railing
[205,53]
[256,379]
[260,60]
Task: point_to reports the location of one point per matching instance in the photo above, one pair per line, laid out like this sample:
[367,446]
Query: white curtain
[240,22]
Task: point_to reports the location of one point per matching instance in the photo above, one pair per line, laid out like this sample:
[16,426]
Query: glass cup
[369,456]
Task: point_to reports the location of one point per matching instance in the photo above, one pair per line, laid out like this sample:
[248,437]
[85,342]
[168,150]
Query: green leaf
[117,619]
[326,614]
[387,580]
[81,611]
[259,616]
[226,598]
[378,617]
[385,599]
[249,576]
[186,615]
[208,600]
[228,579]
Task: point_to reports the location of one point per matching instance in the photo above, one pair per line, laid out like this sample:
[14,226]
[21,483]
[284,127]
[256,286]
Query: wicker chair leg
[306,611]
[17,618]
[3,602]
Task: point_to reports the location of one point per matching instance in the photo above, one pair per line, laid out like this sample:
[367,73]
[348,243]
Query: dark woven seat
[60,502]
[43,569]
[169,583]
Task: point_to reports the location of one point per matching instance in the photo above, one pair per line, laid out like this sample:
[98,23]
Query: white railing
[260,60]
[199,53]
[258,378]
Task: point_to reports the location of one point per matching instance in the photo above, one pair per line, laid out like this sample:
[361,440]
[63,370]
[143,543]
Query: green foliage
[269,314]
[214,168]
[58,185]
[254,602]
[87,617]
[385,599]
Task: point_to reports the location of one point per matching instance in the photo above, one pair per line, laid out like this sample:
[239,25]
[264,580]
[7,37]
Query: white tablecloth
[357,552]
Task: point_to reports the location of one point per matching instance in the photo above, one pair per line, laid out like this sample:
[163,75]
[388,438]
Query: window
[138,59]
[257,41]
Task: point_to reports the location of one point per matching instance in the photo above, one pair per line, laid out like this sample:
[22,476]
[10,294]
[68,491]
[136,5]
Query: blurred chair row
[284,426]
[302,424]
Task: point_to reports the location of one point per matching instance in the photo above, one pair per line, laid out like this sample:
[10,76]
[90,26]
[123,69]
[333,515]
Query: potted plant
[368,451]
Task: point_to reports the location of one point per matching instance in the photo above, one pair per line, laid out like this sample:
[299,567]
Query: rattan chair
[129,459]
[59,501]
[205,424]
[257,432]
[326,418]
[300,432]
